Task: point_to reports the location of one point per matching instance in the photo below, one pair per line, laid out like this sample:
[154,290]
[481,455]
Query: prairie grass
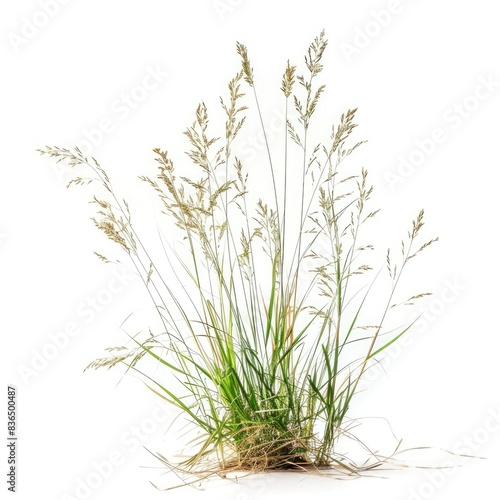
[262,340]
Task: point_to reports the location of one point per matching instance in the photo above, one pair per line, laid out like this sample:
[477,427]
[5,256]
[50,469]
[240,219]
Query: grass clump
[261,317]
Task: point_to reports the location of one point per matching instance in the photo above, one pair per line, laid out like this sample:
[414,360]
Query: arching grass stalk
[264,357]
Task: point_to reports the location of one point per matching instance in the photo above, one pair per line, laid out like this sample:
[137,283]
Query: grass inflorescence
[262,315]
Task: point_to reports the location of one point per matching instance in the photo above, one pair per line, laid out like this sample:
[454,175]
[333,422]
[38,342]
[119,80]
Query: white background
[417,70]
